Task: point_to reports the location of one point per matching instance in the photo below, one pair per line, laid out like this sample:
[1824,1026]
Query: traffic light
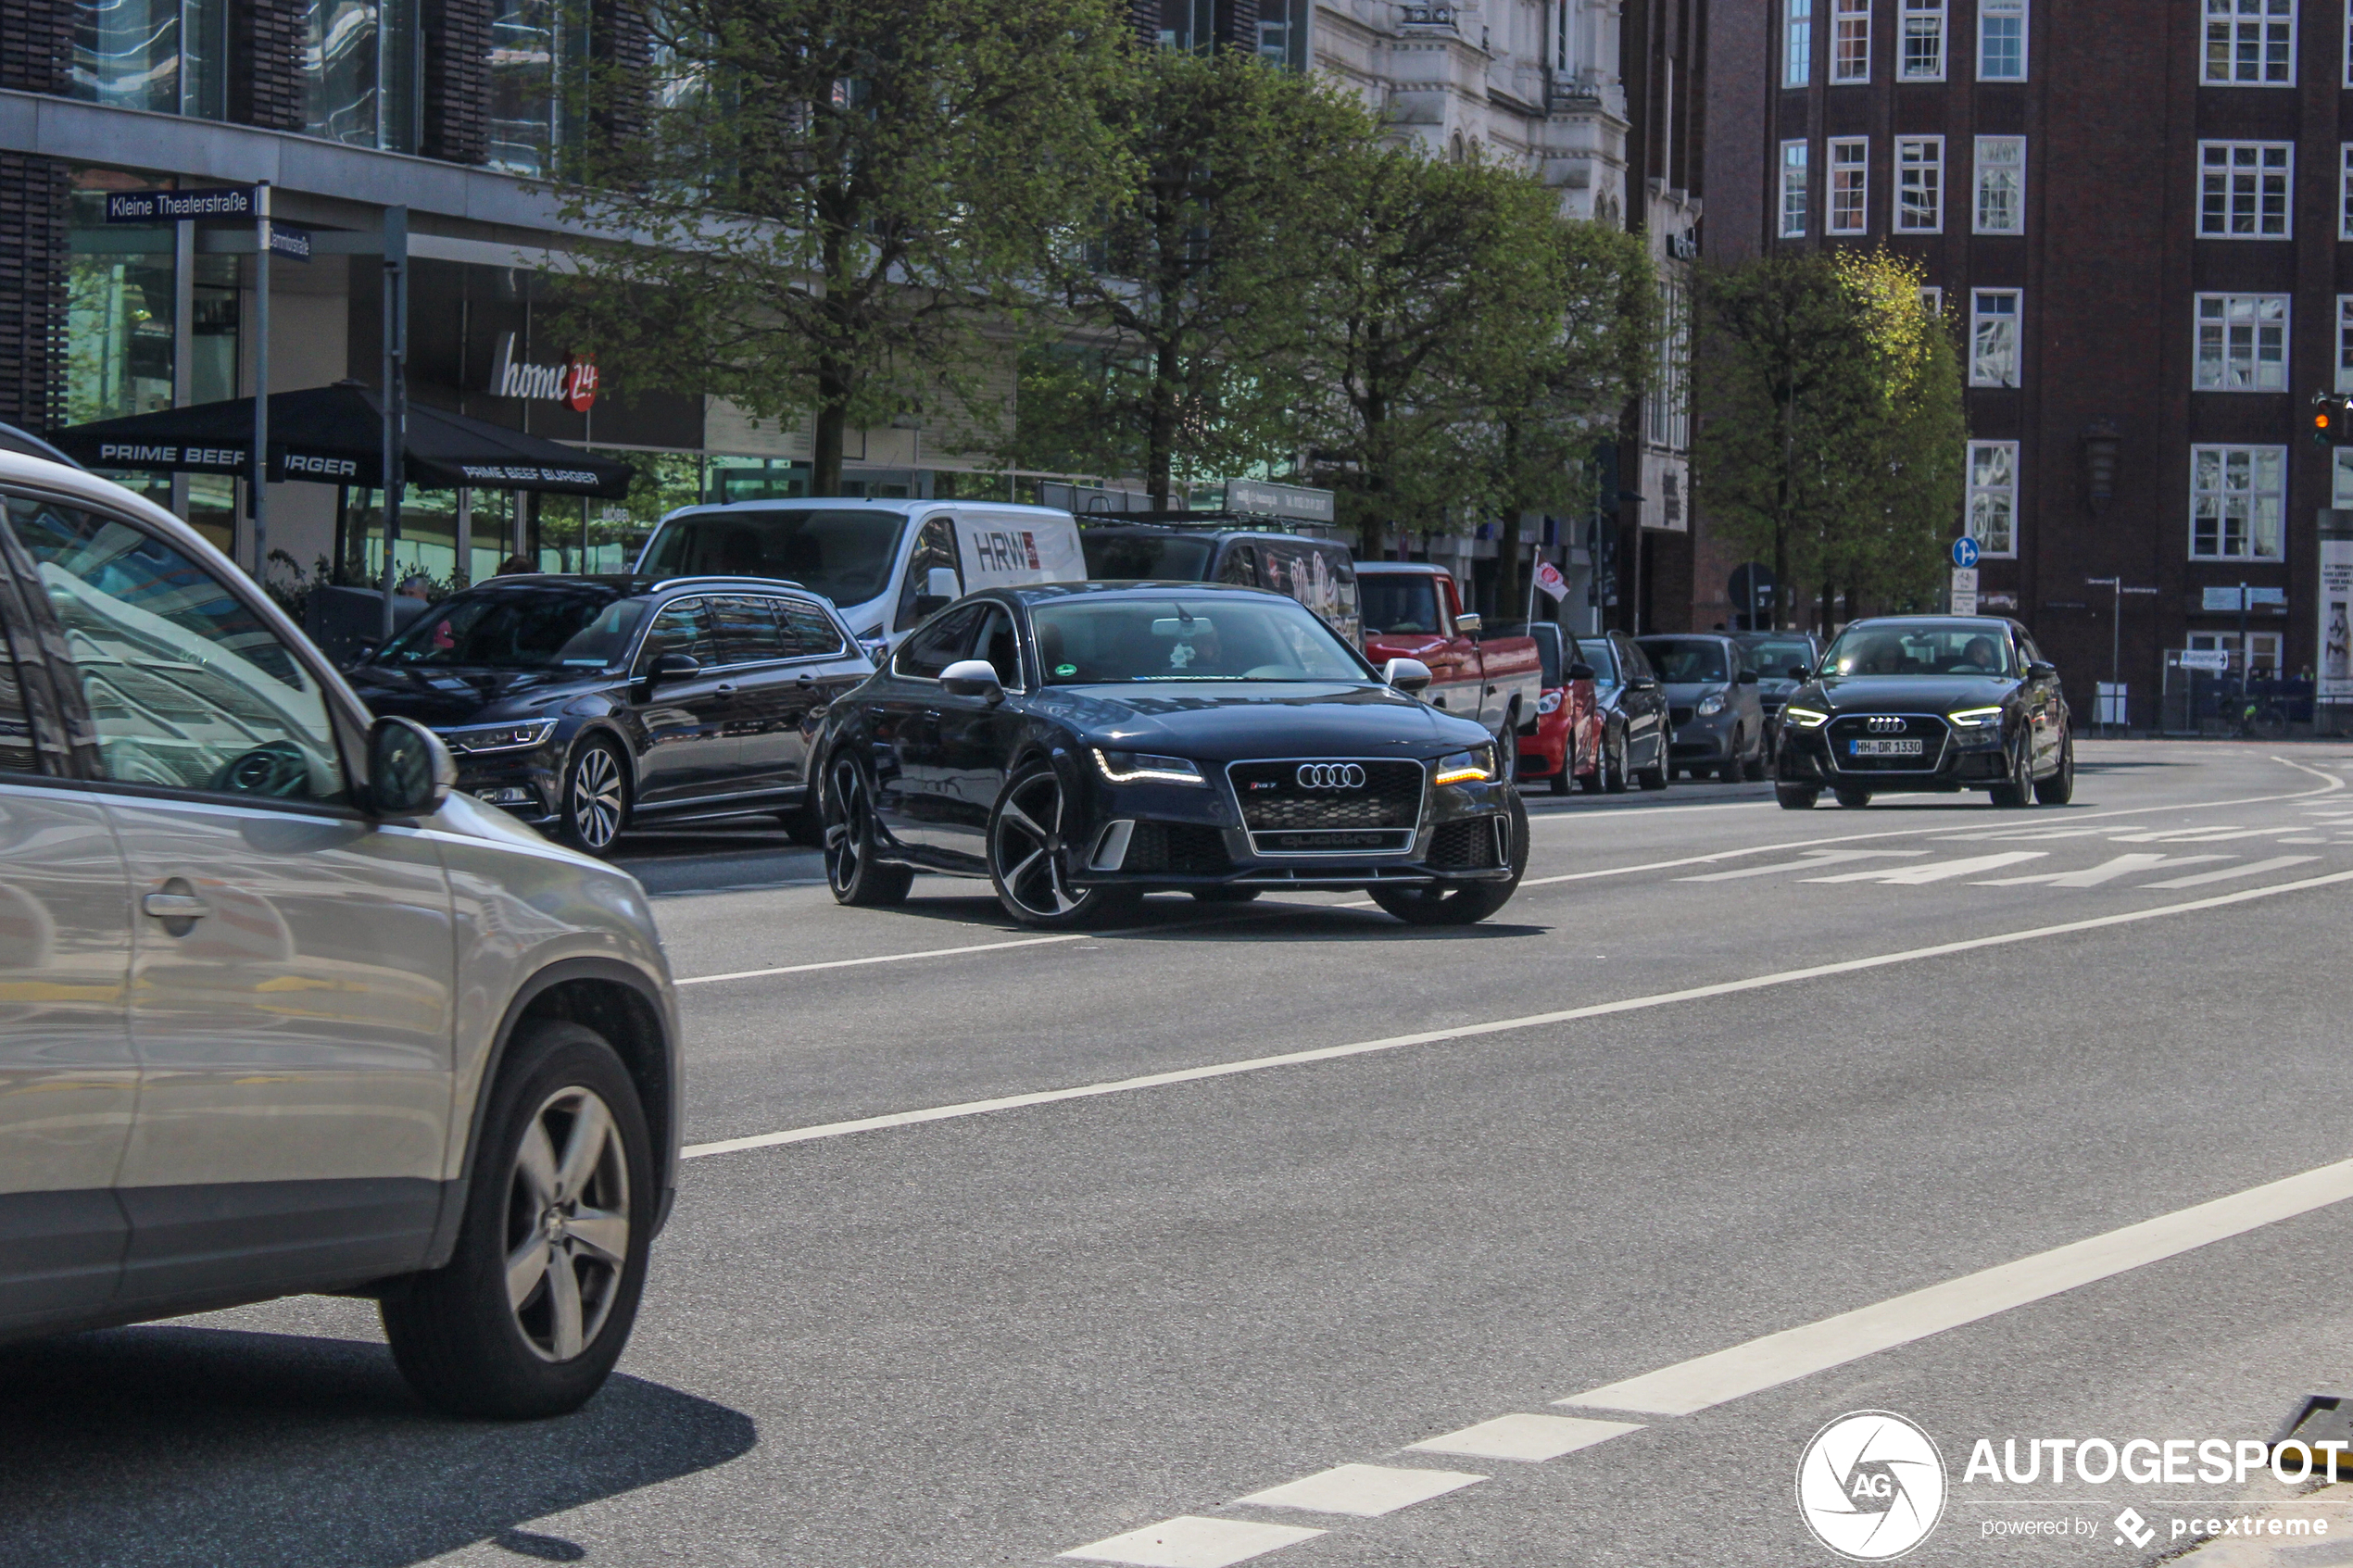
[2331,418]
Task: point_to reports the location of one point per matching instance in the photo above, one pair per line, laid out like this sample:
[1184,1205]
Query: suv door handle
[726,688]
[175,906]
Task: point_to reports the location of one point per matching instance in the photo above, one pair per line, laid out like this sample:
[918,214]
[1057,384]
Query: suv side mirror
[1469,625]
[2042,670]
[1408,675]
[1581,671]
[674,667]
[973,677]
[1745,678]
[410,770]
[1799,673]
[942,587]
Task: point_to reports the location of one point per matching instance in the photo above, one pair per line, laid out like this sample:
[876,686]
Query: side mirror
[941,583]
[1745,678]
[409,772]
[2042,671]
[1641,684]
[1408,675]
[1581,671]
[973,677]
[1469,625]
[1799,673]
[674,667]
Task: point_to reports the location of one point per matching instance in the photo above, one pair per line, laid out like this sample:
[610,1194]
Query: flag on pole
[1549,577]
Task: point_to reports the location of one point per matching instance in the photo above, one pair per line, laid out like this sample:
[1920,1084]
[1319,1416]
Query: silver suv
[280,1013]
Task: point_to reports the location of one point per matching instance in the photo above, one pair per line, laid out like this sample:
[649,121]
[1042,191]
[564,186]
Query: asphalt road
[1718,1072]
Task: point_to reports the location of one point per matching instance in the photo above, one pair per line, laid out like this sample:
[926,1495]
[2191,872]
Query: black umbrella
[334,435]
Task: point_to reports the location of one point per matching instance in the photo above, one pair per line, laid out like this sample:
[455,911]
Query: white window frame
[2344,348]
[1850,22]
[1992,490]
[2009,158]
[1796,193]
[1919,173]
[1669,408]
[1917,21]
[2341,478]
[1987,317]
[1933,299]
[2256,176]
[2249,480]
[2247,43]
[2264,646]
[2004,10]
[1798,42]
[2239,343]
[1848,176]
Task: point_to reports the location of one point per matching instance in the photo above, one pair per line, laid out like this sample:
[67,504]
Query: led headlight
[1138,767]
[1805,718]
[1467,767]
[1711,705]
[1549,703]
[477,738]
[1975,717]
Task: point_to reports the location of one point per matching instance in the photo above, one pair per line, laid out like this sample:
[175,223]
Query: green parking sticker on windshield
[1065,669]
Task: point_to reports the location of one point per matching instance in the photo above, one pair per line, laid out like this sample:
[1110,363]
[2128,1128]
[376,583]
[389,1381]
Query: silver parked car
[278,1011]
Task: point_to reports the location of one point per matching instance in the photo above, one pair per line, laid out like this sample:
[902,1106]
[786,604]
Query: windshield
[846,555]
[1130,558]
[1213,638]
[1397,602]
[1774,661]
[525,629]
[1957,650]
[1685,661]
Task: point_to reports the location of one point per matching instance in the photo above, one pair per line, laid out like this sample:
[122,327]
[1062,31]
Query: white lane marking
[1498,1026]
[1776,1359]
[2280,862]
[2029,835]
[2109,870]
[1937,870]
[888,957]
[1566,815]
[1814,861]
[1366,1491]
[2191,835]
[1187,1541]
[2304,841]
[1529,1438]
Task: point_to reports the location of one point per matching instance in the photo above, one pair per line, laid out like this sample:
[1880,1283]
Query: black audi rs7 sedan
[1920,702]
[1081,745]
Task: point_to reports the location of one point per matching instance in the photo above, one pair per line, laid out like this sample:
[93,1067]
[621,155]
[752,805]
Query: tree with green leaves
[831,205]
[1173,316]
[1834,432]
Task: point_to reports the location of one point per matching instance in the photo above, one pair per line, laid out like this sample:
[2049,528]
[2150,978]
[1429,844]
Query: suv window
[808,633]
[938,646]
[1629,654]
[680,626]
[935,545]
[1000,646]
[745,629]
[187,685]
[1240,567]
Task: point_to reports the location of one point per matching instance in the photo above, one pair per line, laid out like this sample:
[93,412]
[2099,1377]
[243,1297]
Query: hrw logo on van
[1007,549]
[1870,1486]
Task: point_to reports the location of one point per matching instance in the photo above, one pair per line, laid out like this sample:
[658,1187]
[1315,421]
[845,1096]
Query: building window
[2341,480]
[2237,497]
[1794,190]
[359,73]
[2345,343]
[1850,178]
[1992,497]
[2241,343]
[2264,648]
[1670,400]
[2345,188]
[533,44]
[1992,337]
[1850,39]
[1923,40]
[1919,185]
[2001,40]
[2001,184]
[2243,190]
[1933,299]
[1798,42]
[166,56]
[2250,43]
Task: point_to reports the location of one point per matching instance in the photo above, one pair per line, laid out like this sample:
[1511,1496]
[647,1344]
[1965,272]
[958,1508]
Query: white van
[885,564]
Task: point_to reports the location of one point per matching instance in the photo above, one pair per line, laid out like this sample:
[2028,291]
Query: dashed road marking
[1531,1439]
[2122,865]
[1937,871]
[2230,874]
[1814,860]
[1189,1541]
[1366,1491]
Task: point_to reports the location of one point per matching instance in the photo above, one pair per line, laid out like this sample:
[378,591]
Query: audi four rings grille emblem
[1330,775]
[1887,726]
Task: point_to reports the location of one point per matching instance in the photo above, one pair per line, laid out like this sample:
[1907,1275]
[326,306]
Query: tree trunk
[1160,441]
[825,442]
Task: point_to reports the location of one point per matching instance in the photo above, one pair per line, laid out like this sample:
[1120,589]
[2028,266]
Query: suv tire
[1467,904]
[564,1184]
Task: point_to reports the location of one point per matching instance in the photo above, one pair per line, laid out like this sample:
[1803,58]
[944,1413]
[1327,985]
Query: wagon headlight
[1805,718]
[1549,703]
[1477,766]
[497,737]
[1711,705]
[1139,766]
[1975,717]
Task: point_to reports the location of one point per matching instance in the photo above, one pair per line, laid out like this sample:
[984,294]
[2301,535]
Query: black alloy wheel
[1795,797]
[1658,773]
[1614,775]
[1733,766]
[596,798]
[855,873]
[2017,790]
[1467,903]
[1852,800]
[1029,858]
[2059,788]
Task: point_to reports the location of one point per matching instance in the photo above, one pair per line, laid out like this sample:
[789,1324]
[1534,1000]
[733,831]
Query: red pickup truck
[1416,612]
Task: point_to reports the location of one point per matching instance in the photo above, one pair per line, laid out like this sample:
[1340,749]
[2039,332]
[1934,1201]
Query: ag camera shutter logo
[1870,1486]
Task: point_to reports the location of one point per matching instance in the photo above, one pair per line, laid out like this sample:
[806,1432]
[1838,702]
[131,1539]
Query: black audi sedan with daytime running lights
[1922,702]
[1081,745]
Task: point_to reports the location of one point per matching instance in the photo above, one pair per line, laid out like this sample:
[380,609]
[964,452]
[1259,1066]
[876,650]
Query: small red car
[1565,743]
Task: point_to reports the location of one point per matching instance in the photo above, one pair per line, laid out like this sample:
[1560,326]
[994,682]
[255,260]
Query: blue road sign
[179,206]
[1964,553]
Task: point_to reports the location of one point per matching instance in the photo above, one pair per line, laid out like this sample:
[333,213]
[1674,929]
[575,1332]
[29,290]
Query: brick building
[2136,215]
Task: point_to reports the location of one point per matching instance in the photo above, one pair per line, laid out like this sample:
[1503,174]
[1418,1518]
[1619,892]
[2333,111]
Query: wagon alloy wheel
[567,1224]
[853,871]
[596,798]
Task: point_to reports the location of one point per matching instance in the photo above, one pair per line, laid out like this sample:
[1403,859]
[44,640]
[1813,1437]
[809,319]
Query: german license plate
[1883,747]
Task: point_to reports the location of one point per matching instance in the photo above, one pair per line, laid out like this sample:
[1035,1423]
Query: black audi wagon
[584,705]
[1081,745]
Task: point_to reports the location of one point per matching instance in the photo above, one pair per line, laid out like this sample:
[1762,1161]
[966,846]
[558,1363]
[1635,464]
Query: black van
[1226,547]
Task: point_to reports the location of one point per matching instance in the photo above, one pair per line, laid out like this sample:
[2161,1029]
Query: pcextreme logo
[1870,1486]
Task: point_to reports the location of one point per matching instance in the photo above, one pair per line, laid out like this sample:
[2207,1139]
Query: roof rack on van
[1254,522]
[726,577]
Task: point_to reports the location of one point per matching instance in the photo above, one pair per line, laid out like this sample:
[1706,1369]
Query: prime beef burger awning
[334,435]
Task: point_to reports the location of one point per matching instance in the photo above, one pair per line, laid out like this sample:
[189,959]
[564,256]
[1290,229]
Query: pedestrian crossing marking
[1938,870]
[2279,862]
[2122,865]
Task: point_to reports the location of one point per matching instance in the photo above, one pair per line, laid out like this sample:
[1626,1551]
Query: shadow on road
[165,1446]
